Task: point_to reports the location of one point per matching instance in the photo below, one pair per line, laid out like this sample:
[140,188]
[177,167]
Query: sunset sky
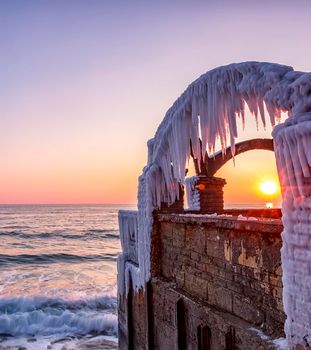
[84,85]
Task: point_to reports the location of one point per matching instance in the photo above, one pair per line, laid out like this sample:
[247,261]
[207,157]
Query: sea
[58,276]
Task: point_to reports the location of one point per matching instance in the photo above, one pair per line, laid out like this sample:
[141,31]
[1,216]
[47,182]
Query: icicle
[218,97]
[262,111]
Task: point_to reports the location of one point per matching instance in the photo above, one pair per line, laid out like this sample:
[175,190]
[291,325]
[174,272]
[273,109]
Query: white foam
[60,343]
[43,316]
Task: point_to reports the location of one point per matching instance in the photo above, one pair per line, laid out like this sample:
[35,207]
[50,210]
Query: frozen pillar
[292,142]
[205,194]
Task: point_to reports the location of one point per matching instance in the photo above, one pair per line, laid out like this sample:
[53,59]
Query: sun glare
[269,187]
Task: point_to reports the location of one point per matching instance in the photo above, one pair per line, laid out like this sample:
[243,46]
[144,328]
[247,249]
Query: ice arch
[207,112]
[208,109]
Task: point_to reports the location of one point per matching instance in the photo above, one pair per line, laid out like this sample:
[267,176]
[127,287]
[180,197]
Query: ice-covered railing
[128,227]
[206,112]
[128,234]
[133,262]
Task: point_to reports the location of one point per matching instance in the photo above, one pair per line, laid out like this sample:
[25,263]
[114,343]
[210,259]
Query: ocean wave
[44,316]
[89,234]
[22,259]
[16,227]
[29,304]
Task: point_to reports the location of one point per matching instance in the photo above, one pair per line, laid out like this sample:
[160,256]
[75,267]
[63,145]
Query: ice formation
[192,193]
[293,157]
[280,343]
[207,111]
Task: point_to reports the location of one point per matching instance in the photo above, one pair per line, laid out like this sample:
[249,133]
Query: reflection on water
[52,258]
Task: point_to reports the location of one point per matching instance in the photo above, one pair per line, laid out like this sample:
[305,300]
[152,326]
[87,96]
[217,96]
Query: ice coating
[206,112]
[293,156]
[193,195]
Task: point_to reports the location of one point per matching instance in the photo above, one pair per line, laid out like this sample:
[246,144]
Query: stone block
[243,308]
[195,239]
[220,297]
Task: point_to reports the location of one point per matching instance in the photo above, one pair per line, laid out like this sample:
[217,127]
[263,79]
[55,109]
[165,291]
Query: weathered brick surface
[132,321]
[210,194]
[165,298]
[226,272]
[122,322]
[226,263]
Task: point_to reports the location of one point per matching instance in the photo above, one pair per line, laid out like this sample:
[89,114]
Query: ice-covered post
[205,194]
[293,156]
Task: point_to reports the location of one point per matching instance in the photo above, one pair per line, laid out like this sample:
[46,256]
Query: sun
[269,187]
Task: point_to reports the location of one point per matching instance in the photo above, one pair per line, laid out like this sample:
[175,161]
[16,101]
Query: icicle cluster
[208,111]
[128,230]
[293,156]
[141,221]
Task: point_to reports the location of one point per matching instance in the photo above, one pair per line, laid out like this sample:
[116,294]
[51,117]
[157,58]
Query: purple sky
[84,84]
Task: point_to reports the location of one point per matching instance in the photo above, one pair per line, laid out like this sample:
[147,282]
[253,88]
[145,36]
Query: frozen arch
[208,110]
[205,113]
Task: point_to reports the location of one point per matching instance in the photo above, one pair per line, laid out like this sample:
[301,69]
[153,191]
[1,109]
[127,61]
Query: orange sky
[244,180]
[78,180]
[84,88]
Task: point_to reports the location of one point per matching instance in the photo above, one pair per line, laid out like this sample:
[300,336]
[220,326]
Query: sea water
[58,276]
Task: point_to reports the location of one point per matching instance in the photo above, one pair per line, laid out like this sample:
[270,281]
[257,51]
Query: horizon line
[68,203]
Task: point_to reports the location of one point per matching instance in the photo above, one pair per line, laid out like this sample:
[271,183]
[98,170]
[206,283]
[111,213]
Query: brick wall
[227,332]
[216,285]
[224,264]
[133,320]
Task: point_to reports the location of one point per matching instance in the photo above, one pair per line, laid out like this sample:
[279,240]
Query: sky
[84,85]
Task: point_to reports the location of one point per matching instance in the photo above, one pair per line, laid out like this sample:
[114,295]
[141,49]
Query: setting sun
[269,187]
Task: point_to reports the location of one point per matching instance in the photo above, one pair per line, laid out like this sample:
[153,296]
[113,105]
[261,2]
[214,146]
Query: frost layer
[193,194]
[293,156]
[207,111]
